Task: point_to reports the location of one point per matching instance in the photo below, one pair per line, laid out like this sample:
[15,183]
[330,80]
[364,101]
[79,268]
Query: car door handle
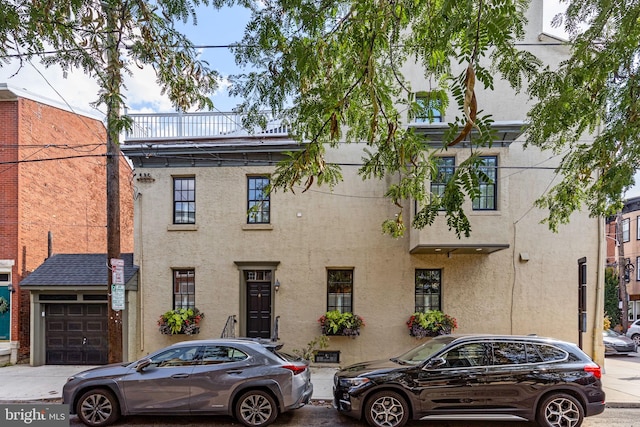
[234,371]
[180,376]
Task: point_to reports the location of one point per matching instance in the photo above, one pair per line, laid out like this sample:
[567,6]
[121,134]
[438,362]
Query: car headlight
[354,382]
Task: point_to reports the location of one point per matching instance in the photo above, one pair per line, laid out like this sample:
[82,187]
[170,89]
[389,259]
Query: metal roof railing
[177,126]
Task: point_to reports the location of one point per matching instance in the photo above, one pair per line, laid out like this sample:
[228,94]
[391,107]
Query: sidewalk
[20,383]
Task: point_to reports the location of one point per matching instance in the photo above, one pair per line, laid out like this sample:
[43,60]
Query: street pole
[622,283]
[113,83]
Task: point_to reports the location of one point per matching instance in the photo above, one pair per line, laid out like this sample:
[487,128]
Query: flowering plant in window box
[430,323]
[336,323]
[180,321]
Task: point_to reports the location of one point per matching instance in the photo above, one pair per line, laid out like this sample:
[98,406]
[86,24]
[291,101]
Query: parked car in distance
[634,332]
[475,377]
[251,380]
[615,343]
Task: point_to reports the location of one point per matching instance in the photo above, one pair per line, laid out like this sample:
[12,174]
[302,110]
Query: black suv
[472,378]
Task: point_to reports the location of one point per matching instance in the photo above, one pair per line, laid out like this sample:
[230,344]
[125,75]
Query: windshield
[422,352]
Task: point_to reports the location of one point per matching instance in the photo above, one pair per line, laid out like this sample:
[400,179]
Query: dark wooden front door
[76,334]
[258,309]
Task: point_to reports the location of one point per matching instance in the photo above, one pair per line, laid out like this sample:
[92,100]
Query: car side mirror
[436,362]
[143,364]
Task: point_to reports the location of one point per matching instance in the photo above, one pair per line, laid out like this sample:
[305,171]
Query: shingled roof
[76,270]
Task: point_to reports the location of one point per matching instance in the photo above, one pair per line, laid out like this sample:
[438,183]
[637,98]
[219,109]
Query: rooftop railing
[176,126]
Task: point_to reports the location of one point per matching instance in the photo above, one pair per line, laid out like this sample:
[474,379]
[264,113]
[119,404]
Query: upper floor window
[184,200]
[428,289]
[626,230]
[184,289]
[340,290]
[429,108]
[258,202]
[488,185]
[446,167]
[637,227]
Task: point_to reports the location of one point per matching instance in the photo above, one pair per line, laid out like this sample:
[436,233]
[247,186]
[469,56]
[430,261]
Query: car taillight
[595,370]
[296,369]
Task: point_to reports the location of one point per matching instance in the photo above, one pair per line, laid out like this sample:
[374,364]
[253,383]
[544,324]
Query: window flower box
[336,323]
[180,321]
[430,323]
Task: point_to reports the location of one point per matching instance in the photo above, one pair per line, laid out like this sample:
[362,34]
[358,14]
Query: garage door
[76,334]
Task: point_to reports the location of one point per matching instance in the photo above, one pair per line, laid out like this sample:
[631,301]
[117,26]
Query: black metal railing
[276,324]
[229,330]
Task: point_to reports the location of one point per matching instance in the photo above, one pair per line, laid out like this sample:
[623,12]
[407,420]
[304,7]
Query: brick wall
[56,195]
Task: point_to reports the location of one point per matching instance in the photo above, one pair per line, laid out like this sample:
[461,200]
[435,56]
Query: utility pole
[622,274]
[113,84]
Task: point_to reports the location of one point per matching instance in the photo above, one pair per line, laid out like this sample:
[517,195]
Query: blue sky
[214,27]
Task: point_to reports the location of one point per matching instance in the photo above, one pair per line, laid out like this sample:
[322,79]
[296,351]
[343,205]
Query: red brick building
[53,198]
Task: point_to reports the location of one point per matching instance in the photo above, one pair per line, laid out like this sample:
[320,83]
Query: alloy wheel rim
[96,408]
[562,413]
[256,409]
[387,411]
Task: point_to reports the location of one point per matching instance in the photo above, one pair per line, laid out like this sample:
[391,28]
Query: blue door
[5,313]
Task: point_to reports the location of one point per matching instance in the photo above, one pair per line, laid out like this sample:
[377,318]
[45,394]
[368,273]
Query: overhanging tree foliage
[333,69]
[338,63]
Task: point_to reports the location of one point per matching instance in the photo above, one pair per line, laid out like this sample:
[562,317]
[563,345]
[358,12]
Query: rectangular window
[340,290]
[259,206]
[184,289]
[637,228]
[184,200]
[428,289]
[626,230]
[638,268]
[446,167]
[429,108]
[488,185]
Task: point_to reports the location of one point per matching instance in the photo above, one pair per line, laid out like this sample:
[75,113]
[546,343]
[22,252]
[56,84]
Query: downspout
[140,260]
[598,316]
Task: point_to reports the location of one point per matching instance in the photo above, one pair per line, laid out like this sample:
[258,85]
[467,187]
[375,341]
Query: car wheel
[97,408]
[560,410]
[636,339]
[386,409]
[256,408]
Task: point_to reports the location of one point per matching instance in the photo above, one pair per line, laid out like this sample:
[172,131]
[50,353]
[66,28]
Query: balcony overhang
[506,132]
[459,249]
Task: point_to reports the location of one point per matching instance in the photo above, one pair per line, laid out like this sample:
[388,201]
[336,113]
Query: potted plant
[180,321]
[430,323]
[335,322]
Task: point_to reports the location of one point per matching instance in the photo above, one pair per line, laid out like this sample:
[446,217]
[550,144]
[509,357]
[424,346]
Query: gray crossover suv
[251,380]
[474,378]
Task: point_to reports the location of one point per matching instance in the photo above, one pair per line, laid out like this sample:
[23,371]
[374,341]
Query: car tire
[560,410]
[386,409]
[636,339]
[97,408]
[256,408]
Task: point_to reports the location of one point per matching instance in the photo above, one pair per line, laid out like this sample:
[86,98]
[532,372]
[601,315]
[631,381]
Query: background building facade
[53,192]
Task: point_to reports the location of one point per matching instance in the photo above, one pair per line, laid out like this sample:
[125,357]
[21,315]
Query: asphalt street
[325,416]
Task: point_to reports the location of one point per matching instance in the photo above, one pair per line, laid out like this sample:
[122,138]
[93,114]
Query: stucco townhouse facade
[208,236]
[53,194]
